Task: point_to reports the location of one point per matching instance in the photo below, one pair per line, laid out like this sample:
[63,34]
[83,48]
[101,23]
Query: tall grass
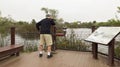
[30,46]
[3,40]
[71,42]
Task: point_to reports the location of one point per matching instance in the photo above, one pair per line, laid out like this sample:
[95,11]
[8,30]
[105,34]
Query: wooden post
[12,35]
[95,50]
[93,29]
[55,38]
[54,46]
[111,53]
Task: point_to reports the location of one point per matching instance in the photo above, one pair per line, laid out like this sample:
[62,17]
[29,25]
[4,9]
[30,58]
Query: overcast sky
[69,10]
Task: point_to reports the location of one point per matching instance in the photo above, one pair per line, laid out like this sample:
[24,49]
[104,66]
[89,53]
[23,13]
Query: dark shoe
[40,55]
[49,56]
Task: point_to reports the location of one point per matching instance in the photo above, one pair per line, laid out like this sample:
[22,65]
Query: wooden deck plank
[61,59]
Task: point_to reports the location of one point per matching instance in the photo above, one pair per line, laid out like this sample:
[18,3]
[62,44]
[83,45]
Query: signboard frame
[109,43]
[103,35]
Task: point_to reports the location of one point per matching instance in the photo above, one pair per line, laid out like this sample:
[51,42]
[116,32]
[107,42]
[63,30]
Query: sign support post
[111,53]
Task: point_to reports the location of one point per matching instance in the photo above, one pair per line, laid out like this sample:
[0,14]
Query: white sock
[48,53]
[41,52]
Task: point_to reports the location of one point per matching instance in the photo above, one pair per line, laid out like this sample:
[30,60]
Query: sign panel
[103,35]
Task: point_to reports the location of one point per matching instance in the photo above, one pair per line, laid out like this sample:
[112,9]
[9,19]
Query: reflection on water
[80,33]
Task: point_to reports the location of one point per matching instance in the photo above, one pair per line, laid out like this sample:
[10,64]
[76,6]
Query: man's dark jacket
[44,25]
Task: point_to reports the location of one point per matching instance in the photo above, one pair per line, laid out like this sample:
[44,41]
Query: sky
[69,10]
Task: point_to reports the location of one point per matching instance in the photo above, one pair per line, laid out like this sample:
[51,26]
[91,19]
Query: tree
[118,9]
[60,20]
[33,21]
[54,14]
[45,9]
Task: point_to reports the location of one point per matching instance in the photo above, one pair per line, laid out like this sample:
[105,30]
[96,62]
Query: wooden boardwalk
[61,59]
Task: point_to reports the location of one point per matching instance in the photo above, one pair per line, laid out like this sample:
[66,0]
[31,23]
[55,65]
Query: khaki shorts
[46,39]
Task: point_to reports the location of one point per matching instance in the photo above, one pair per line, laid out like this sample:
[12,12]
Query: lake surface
[80,33]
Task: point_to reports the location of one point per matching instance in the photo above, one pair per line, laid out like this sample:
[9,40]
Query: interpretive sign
[103,35]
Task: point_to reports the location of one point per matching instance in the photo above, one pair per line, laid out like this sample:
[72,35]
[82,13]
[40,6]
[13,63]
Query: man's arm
[53,26]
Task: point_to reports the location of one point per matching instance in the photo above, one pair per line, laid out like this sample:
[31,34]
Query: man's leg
[41,49]
[41,45]
[48,39]
[49,52]
[49,49]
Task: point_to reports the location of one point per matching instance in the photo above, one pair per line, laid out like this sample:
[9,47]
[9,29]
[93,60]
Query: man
[45,34]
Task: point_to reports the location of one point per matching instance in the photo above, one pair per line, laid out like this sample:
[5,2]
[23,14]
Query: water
[80,33]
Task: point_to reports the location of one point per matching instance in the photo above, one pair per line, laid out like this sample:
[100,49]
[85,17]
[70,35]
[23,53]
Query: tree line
[22,26]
